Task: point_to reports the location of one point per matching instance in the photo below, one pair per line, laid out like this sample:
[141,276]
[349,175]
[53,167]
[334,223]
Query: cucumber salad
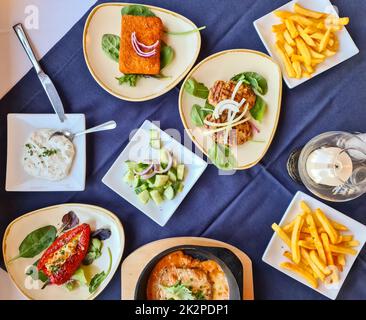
[158,180]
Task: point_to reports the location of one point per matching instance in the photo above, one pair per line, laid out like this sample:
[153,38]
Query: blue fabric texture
[237,209]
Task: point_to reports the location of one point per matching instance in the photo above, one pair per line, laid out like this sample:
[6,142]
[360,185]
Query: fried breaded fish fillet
[148,31]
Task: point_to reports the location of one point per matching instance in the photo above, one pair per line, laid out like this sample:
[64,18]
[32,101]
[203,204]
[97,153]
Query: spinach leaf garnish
[222,157]
[198,113]
[166,55]
[36,241]
[196,89]
[111,45]
[137,10]
[130,79]
[35,273]
[259,109]
[258,82]
[98,278]
[94,251]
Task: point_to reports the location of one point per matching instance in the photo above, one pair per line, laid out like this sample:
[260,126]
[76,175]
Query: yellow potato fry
[314,234]
[320,264]
[291,28]
[332,20]
[304,207]
[329,53]
[308,40]
[310,30]
[331,42]
[306,74]
[316,55]
[278,27]
[317,35]
[286,60]
[346,237]
[297,67]
[316,270]
[280,38]
[338,226]
[324,40]
[309,68]
[329,229]
[296,57]
[328,253]
[315,62]
[288,38]
[341,260]
[307,12]
[302,263]
[339,266]
[301,20]
[283,14]
[307,244]
[289,50]
[296,256]
[353,243]
[343,250]
[281,234]
[303,49]
[301,272]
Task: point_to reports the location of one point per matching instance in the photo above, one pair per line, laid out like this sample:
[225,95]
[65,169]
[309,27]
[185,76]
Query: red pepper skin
[73,262]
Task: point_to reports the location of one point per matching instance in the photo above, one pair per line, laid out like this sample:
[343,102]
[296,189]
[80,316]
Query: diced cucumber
[180,171]
[169,193]
[141,166]
[172,176]
[168,184]
[155,195]
[131,165]
[156,144]
[161,180]
[154,134]
[141,188]
[144,196]
[136,181]
[129,177]
[178,186]
[164,158]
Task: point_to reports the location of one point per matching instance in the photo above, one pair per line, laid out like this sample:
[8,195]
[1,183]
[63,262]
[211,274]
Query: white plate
[273,254]
[106,18]
[138,150]
[347,47]
[20,127]
[95,216]
[223,66]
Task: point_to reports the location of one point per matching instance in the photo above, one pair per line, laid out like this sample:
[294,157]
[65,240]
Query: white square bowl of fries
[306,37]
[315,244]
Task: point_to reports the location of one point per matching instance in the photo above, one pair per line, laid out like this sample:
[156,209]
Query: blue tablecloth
[237,209]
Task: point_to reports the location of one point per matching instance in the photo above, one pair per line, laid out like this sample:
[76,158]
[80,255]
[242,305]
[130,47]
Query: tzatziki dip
[46,158]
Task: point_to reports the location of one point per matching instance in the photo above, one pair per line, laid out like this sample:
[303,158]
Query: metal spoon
[69,135]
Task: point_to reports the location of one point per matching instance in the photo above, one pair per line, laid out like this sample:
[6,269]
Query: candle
[329,166]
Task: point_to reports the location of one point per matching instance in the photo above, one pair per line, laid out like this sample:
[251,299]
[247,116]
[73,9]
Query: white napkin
[8,291]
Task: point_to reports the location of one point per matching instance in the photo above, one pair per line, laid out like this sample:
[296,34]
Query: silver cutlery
[45,80]
[102,127]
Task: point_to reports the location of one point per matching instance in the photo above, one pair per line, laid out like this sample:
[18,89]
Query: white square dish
[347,47]
[138,149]
[273,253]
[20,127]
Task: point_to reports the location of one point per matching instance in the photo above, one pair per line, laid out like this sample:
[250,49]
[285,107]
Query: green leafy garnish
[130,79]
[94,251]
[181,292]
[166,55]
[198,113]
[98,278]
[35,242]
[137,10]
[184,33]
[35,273]
[196,89]
[222,157]
[111,45]
[258,82]
[259,109]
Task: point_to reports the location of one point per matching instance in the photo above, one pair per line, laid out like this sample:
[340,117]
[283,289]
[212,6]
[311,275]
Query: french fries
[305,38]
[318,249]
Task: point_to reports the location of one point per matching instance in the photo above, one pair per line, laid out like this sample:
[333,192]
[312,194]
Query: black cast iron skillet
[198,252]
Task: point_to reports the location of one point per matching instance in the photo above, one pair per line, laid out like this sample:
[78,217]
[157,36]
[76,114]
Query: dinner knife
[44,78]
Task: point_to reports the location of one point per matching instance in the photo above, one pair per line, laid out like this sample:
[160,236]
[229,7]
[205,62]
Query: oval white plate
[95,216]
[106,18]
[223,66]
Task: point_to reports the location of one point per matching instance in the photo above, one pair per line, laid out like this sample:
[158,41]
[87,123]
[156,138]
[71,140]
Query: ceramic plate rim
[296,198]
[203,165]
[108,213]
[151,96]
[10,188]
[196,67]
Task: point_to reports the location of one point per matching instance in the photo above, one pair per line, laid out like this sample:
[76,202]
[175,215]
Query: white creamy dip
[46,158]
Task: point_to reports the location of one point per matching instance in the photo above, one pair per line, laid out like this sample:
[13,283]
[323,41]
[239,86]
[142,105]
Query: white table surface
[14,63]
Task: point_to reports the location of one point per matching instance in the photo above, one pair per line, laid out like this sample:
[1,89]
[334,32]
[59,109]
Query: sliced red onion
[169,165]
[149,175]
[254,127]
[144,45]
[141,173]
[136,46]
